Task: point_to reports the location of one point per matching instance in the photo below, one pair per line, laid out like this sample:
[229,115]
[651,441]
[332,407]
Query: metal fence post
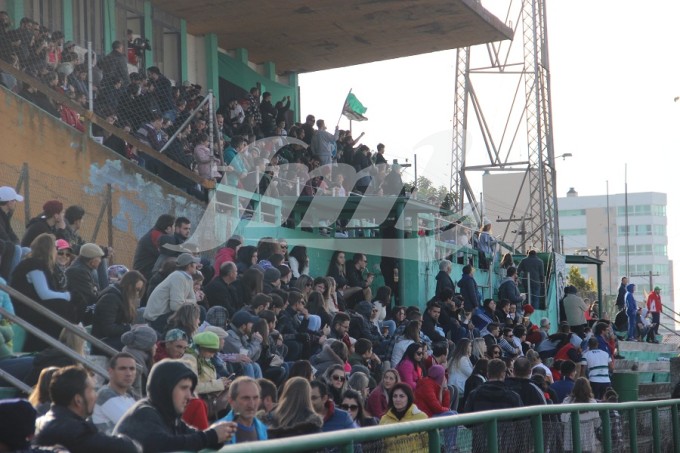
[347,448]
[492,436]
[102,211]
[109,213]
[656,430]
[675,420]
[632,429]
[537,427]
[24,178]
[434,442]
[575,432]
[606,432]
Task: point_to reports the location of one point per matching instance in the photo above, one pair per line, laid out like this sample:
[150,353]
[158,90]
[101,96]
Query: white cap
[9,194]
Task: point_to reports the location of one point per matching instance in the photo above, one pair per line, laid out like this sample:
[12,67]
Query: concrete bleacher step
[636,346]
[654,391]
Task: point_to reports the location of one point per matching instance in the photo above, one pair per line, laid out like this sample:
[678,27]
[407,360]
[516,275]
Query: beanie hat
[220,332]
[364,308]
[116,272]
[217,316]
[175,335]
[436,372]
[52,207]
[271,275]
[90,251]
[528,309]
[207,340]
[17,423]
[140,337]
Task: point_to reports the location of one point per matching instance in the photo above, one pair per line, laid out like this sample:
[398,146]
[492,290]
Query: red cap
[528,309]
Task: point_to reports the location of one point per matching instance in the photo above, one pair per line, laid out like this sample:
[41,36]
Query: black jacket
[84,289]
[109,316]
[219,293]
[153,421]
[492,395]
[6,231]
[36,226]
[444,281]
[529,392]
[146,255]
[62,426]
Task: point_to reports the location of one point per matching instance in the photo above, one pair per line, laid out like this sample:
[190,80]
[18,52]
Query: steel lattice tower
[526,59]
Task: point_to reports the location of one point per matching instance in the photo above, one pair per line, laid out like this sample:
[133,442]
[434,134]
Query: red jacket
[654,302]
[427,397]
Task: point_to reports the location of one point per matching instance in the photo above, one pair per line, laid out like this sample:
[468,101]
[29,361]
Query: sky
[615,71]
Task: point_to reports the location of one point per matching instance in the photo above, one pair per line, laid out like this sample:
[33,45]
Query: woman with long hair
[316,305]
[186,318]
[34,277]
[276,374]
[298,261]
[353,403]
[401,408]
[40,396]
[478,350]
[382,301]
[52,356]
[461,366]
[581,393]
[305,284]
[376,404]
[336,269]
[294,414]
[333,305]
[410,368]
[411,335]
[336,379]
[250,284]
[116,308]
[301,368]
[477,378]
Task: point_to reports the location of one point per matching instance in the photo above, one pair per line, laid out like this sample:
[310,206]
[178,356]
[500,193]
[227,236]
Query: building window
[636,230]
[642,210]
[572,213]
[574,232]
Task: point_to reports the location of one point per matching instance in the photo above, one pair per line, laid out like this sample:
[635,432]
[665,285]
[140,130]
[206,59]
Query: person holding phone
[244,398]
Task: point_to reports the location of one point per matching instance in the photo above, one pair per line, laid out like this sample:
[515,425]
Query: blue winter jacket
[260,427]
[631,304]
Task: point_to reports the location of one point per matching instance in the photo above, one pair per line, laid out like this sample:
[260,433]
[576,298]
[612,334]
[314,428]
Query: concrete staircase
[651,362]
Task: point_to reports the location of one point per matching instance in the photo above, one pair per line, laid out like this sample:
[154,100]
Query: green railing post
[606,432]
[575,432]
[656,430]
[492,435]
[537,427]
[347,448]
[434,441]
[632,429]
[676,427]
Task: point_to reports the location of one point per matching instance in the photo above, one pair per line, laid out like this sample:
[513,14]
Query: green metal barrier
[344,440]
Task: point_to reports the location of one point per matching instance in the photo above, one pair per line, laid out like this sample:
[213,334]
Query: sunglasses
[335,377]
[64,253]
[419,352]
[349,407]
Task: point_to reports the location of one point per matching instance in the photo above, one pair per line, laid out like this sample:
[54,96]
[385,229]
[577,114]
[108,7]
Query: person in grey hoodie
[323,143]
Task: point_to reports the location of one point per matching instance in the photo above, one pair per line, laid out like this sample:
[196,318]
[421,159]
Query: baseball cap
[243,317]
[187,258]
[9,194]
[63,245]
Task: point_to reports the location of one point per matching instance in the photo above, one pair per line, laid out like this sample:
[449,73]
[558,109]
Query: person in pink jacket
[409,368]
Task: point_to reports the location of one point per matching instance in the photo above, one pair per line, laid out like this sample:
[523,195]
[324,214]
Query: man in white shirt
[115,398]
[599,366]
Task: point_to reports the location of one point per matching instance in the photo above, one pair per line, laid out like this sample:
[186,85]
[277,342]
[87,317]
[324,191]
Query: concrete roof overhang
[311,35]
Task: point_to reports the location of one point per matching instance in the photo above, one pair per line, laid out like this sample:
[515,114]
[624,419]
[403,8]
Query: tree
[575,278]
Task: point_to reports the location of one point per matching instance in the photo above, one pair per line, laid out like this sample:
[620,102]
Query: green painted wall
[15,9]
[68,19]
[237,71]
[148,31]
[212,62]
[183,50]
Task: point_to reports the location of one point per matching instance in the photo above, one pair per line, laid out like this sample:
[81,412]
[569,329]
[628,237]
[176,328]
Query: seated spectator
[521,383]
[147,250]
[298,261]
[334,419]
[229,251]
[40,396]
[244,398]
[73,399]
[176,290]
[116,308]
[242,340]
[401,408]
[51,356]
[174,346]
[353,404]
[155,422]
[409,368]
[410,335]
[590,420]
[355,278]
[295,414]
[17,426]
[431,395]
[81,282]
[250,284]
[51,221]
[34,278]
[461,366]
[477,378]
[140,342]
[186,318]
[115,398]
[376,404]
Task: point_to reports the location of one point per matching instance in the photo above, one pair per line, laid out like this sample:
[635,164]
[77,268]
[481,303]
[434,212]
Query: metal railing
[345,440]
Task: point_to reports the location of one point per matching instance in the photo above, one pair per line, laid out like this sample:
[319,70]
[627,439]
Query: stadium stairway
[648,365]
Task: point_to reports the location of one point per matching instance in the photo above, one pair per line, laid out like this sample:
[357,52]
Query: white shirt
[597,362]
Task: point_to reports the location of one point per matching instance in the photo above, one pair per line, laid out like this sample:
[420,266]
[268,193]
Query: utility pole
[650,275]
[597,252]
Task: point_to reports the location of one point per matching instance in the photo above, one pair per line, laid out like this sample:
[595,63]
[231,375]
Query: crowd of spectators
[218,342]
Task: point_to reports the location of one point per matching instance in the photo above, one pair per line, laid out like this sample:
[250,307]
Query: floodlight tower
[524,63]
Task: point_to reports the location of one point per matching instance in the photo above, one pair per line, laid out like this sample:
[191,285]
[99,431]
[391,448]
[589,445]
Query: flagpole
[343,109]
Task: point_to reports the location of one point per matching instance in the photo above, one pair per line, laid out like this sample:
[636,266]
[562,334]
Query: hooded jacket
[508,290]
[325,359]
[153,421]
[427,397]
[37,226]
[631,304]
[469,291]
[492,395]
[444,281]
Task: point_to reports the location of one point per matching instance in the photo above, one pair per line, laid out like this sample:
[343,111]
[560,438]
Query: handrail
[15,382]
[431,425]
[55,343]
[96,342]
[93,118]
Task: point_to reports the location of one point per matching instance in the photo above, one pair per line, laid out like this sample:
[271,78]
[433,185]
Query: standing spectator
[115,64]
[401,408]
[444,278]
[34,278]
[147,250]
[575,309]
[486,245]
[294,414]
[655,307]
[631,311]
[253,110]
[532,274]
[589,421]
[51,220]
[508,288]
[12,254]
[468,289]
[163,92]
[323,143]
[155,421]
[73,399]
[115,398]
[621,296]
[599,365]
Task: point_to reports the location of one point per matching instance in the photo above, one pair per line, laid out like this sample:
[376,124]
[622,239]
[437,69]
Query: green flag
[353,109]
